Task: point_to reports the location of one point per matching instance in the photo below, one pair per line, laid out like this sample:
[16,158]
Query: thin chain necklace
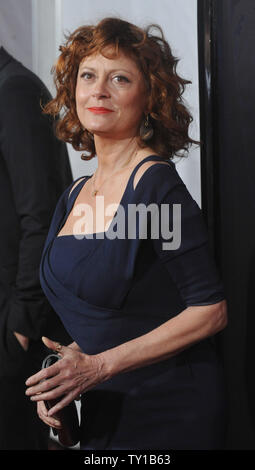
[95,191]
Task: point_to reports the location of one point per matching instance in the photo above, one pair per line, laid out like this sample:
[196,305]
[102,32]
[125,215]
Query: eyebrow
[112,70]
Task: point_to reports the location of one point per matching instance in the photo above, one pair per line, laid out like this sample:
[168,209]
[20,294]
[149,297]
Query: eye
[86,75]
[120,79]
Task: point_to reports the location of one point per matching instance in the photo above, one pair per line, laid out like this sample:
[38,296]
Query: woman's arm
[78,372]
[190,326]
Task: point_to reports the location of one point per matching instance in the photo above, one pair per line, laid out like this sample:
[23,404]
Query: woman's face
[110,96]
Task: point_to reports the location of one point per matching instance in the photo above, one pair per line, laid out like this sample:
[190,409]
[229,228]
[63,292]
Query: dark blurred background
[226,39]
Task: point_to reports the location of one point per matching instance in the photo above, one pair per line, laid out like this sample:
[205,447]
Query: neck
[113,155]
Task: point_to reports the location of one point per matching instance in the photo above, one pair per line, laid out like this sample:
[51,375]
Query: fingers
[43,386]
[64,381]
[50,394]
[43,415]
[55,368]
[64,402]
[53,345]
[43,374]
[49,343]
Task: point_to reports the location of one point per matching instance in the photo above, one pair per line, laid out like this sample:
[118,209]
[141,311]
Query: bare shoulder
[142,169]
[76,183]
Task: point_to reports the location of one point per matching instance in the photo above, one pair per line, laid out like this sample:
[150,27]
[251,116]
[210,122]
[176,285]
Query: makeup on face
[110,95]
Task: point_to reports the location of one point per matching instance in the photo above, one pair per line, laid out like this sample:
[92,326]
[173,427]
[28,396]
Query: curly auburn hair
[168,115]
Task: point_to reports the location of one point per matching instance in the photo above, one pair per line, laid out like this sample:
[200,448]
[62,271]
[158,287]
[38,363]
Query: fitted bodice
[108,291]
[67,257]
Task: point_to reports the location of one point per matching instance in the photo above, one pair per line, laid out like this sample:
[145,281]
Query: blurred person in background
[34,171]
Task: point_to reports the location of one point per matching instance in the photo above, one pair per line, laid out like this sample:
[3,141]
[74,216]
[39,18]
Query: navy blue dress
[109,290]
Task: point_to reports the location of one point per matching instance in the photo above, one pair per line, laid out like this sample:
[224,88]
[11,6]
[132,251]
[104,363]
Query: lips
[99,110]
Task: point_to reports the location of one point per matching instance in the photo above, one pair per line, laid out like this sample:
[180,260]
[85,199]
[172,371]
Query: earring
[146,129]
[85,157]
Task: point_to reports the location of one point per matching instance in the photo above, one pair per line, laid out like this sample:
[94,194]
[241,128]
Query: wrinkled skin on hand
[74,374]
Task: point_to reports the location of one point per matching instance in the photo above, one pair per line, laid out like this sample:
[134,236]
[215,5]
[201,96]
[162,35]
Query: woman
[141,314]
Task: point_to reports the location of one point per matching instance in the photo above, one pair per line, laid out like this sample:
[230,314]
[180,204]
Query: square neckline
[90,236]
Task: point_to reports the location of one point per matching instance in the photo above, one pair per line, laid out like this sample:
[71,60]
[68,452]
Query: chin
[97,131]
[101,130]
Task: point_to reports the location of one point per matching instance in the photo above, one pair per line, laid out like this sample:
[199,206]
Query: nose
[100,89]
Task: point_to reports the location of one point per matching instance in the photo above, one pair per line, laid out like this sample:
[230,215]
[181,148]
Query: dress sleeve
[184,251]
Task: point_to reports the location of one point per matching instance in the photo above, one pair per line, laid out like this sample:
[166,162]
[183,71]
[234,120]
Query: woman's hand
[74,374]
[51,421]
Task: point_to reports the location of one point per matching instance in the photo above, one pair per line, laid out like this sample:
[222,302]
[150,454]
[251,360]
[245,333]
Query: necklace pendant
[95,192]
